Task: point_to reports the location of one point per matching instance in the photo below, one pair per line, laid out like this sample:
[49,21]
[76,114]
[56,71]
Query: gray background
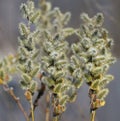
[78,111]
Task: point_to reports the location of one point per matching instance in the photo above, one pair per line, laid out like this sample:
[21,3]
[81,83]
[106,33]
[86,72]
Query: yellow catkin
[28,95]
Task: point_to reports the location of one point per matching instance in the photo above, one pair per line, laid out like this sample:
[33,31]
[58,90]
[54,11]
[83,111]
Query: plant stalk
[40,94]
[56,118]
[17,100]
[32,110]
[47,108]
[92,115]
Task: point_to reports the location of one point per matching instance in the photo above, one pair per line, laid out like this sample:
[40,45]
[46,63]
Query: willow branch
[32,110]
[47,107]
[17,100]
[92,109]
[92,115]
[40,93]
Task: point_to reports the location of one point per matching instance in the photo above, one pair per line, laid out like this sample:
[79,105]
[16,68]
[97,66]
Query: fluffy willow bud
[68,31]
[106,80]
[77,73]
[24,9]
[23,51]
[57,11]
[47,6]
[111,60]
[86,42]
[66,18]
[64,87]
[109,77]
[60,45]
[85,17]
[73,98]
[35,54]
[21,68]
[99,19]
[31,6]
[105,67]
[95,85]
[35,16]
[59,74]
[51,70]
[23,29]
[60,62]
[98,41]
[75,48]
[102,93]
[83,59]
[97,70]
[63,99]
[92,51]
[110,43]
[78,83]
[26,78]
[75,60]
[88,78]
[99,58]
[54,55]
[57,88]
[33,86]
[27,9]
[34,71]
[49,82]
[48,47]
[89,66]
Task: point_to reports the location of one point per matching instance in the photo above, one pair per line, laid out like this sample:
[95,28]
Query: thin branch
[47,107]
[40,93]
[32,110]
[17,100]
[92,108]
[56,115]
[92,115]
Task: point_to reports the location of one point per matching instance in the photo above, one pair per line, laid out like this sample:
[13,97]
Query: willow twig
[40,93]
[32,110]
[92,115]
[92,108]
[17,100]
[47,107]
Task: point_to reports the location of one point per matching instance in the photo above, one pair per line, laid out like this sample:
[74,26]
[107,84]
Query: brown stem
[92,96]
[40,93]
[32,110]
[55,103]
[92,115]
[17,100]
[47,107]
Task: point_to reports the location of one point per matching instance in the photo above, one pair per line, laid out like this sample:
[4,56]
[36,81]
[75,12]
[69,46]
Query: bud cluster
[44,49]
[92,57]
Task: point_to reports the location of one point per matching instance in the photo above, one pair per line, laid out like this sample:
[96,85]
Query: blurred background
[79,111]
